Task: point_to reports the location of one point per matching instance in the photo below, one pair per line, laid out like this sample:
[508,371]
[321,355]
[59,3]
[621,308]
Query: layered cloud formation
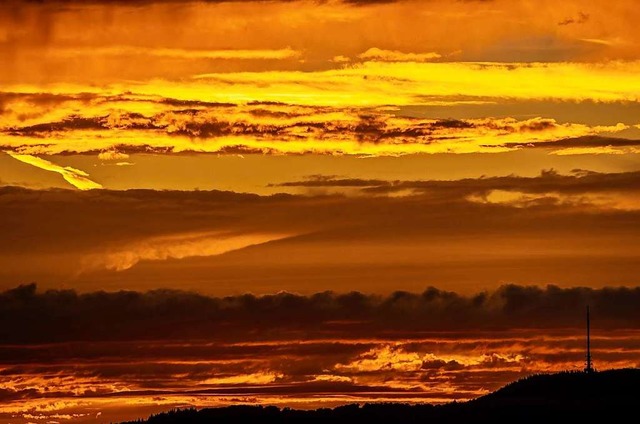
[336,232]
[125,124]
[175,126]
[270,192]
[127,353]
[229,81]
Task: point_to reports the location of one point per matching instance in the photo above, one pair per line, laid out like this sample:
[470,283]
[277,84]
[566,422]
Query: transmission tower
[589,366]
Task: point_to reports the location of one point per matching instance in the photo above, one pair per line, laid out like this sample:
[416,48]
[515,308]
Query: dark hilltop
[566,396]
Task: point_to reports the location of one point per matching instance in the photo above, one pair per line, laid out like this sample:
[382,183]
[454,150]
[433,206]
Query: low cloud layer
[334,232]
[580,181]
[64,315]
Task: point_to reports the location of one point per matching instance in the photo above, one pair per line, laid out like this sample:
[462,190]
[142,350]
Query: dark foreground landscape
[568,396]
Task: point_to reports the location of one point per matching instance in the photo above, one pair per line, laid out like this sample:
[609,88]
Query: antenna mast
[589,368]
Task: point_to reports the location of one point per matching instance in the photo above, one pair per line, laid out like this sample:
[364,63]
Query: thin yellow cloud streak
[383,55]
[603,150]
[258,378]
[405,83]
[73,176]
[237,54]
[374,83]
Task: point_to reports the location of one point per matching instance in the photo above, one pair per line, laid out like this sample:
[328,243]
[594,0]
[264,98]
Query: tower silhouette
[589,366]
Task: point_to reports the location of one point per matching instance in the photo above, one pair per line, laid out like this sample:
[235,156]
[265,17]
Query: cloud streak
[73,176]
[579,182]
[175,247]
[175,53]
[375,53]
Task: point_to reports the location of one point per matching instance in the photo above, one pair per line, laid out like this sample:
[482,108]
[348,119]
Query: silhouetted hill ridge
[566,396]
[611,386]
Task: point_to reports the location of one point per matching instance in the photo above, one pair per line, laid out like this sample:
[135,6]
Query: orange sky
[234,147]
[130,353]
[110,80]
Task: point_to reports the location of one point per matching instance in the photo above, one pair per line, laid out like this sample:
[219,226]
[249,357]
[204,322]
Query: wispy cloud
[581,18]
[176,53]
[73,176]
[383,55]
[174,247]
[375,83]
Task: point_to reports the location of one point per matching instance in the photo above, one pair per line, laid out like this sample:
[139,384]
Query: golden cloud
[173,247]
[73,176]
[230,54]
[174,126]
[376,54]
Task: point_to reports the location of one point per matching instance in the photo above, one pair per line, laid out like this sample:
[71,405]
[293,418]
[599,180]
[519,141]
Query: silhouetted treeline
[566,397]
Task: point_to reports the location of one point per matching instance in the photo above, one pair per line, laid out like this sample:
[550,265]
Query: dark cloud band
[29,316]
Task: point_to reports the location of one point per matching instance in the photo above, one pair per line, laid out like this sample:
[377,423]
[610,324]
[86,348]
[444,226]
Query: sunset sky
[310,203]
